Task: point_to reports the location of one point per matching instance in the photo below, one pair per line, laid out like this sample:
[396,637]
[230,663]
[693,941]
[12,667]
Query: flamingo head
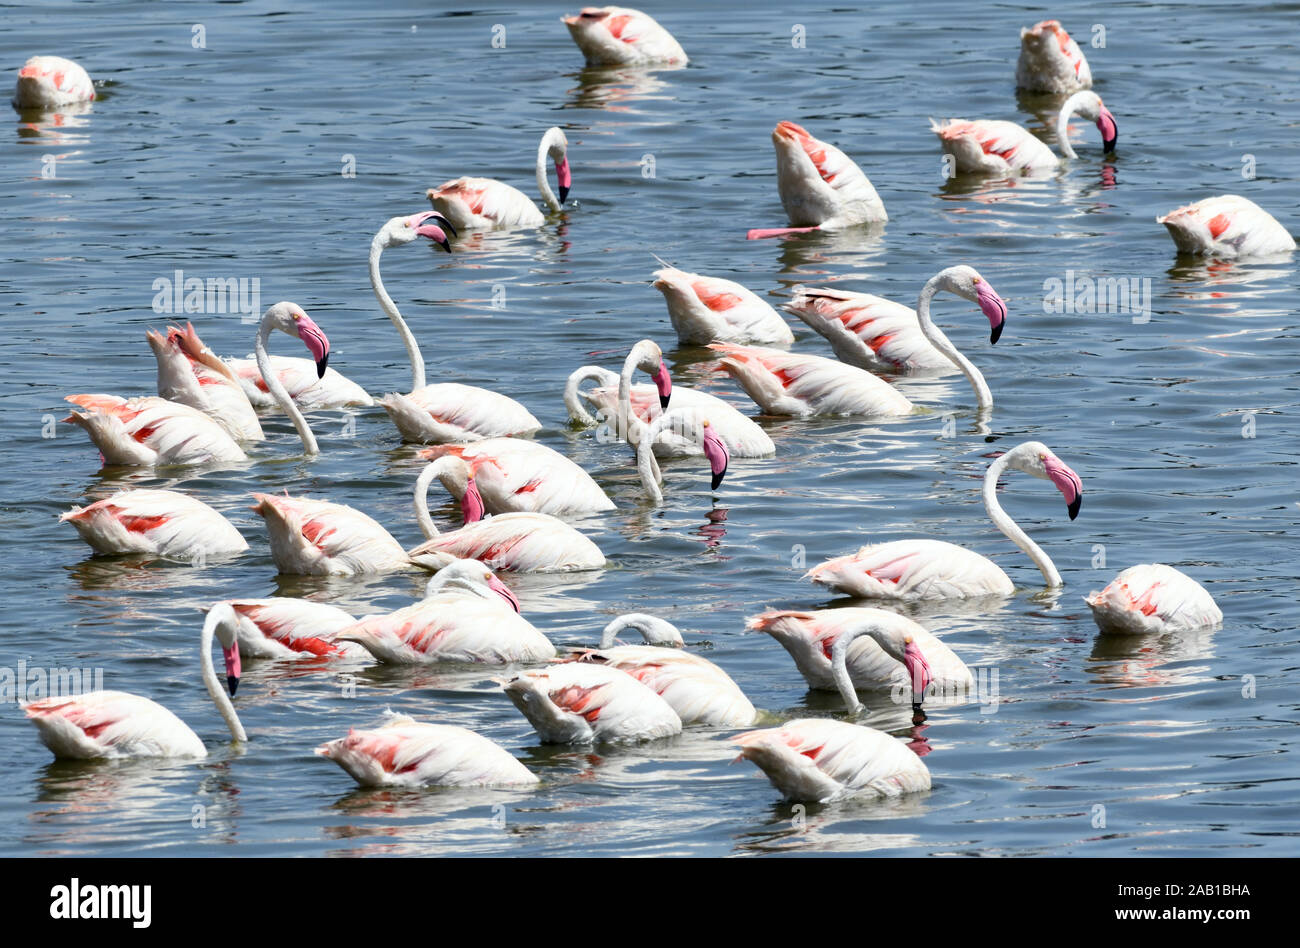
[1107,126]
[227,633]
[472,574]
[918,670]
[1088,104]
[292,319]
[651,361]
[557,146]
[1036,458]
[472,508]
[717,454]
[409,227]
[968,284]
[502,590]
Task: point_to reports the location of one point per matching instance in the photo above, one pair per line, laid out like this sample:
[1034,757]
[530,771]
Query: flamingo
[868,331]
[934,569]
[619,36]
[162,523]
[1050,61]
[787,383]
[301,378]
[1153,597]
[698,690]
[151,431]
[851,325]
[116,724]
[47,82]
[821,188]
[685,424]
[709,309]
[404,752]
[468,620]
[864,648]
[312,537]
[578,703]
[997,147]
[634,407]
[517,475]
[446,411]
[817,760]
[489,204]
[473,577]
[1227,226]
[191,375]
[286,628]
[517,542]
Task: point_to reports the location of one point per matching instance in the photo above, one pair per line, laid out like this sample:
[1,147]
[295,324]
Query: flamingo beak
[433,225]
[502,590]
[993,308]
[1109,130]
[315,340]
[664,383]
[918,672]
[1067,482]
[717,454]
[471,504]
[564,177]
[232,666]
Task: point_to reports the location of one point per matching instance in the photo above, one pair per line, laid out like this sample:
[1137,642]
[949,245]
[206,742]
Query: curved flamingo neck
[1011,529]
[1068,110]
[543,184]
[390,308]
[631,428]
[287,404]
[646,625]
[219,696]
[427,526]
[572,397]
[840,663]
[935,335]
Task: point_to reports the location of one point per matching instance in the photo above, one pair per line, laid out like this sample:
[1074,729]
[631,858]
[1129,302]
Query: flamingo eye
[976,279]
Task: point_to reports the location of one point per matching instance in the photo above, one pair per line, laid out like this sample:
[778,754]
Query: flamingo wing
[515,542]
[913,569]
[484,204]
[1153,597]
[318,538]
[577,702]
[517,475]
[694,687]
[149,431]
[410,753]
[451,627]
[787,383]
[1228,226]
[451,412]
[111,724]
[284,627]
[162,522]
[993,146]
[868,331]
[710,309]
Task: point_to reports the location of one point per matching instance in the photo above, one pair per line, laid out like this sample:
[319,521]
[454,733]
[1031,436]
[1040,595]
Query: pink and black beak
[918,673]
[993,308]
[502,590]
[471,503]
[1067,482]
[315,340]
[232,666]
[718,455]
[433,225]
[1109,130]
[664,383]
[564,178]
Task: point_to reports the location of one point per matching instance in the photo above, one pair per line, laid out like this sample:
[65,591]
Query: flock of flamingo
[514,493]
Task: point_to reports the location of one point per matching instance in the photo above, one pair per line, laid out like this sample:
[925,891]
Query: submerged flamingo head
[918,670]
[717,454]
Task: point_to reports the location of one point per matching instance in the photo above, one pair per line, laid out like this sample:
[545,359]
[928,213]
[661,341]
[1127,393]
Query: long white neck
[277,390]
[573,398]
[648,469]
[629,425]
[983,396]
[1062,126]
[422,501]
[389,307]
[544,185]
[210,681]
[1011,529]
[840,664]
[654,631]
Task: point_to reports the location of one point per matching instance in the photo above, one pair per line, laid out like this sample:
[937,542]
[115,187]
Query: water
[226,161]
